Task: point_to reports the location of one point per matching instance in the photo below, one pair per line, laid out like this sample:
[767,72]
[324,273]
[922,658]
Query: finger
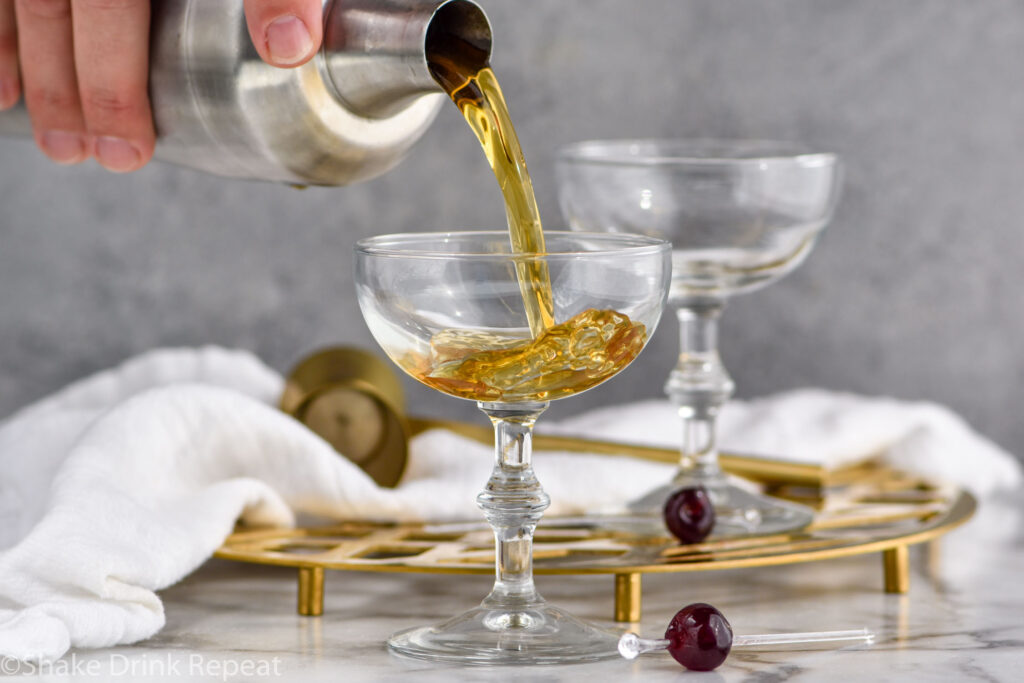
[112,59]
[48,78]
[285,32]
[10,83]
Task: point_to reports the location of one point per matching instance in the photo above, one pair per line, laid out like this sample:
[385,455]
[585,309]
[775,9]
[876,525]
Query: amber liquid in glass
[560,359]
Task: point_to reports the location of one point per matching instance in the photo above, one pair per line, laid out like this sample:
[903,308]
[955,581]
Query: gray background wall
[913,292]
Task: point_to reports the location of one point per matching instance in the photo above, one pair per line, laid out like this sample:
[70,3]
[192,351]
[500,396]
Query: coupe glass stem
[513,502]
[699,386]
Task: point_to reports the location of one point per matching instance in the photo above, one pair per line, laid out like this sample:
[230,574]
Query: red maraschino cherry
[699,637]
[689,514]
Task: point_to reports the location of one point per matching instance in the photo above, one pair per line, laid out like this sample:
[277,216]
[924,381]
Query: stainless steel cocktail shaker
[349,114]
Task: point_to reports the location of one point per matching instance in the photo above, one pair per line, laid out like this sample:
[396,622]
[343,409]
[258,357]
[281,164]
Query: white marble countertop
[963,620]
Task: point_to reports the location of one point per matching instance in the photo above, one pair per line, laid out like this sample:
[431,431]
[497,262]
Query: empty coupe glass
[740,215]
[449,310]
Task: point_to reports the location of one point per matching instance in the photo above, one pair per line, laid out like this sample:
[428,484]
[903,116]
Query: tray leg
[896,562]
[933,553]
[311,591]
[627,597]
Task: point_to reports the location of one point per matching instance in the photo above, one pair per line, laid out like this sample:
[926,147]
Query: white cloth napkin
[125,482]
[819,427]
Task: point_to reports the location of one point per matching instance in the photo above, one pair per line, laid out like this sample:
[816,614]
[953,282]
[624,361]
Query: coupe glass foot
[531,634]
[737,512]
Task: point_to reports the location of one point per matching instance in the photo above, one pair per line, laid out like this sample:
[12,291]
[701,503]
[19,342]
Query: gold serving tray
[865,509]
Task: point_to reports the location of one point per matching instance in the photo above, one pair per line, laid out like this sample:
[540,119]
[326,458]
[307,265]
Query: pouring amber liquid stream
[559,359]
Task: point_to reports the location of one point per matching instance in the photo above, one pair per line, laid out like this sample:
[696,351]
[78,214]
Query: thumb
[286,33]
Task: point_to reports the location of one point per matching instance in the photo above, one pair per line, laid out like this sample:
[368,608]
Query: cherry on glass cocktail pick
[700,638]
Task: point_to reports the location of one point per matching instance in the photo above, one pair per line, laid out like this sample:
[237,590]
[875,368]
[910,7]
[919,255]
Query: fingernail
[117,155]
[63,146]
[9,93]
[288,40]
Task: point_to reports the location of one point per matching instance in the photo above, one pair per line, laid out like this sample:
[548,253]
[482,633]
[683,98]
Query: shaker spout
[378,54]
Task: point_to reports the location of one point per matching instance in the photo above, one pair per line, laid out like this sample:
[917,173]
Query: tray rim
[960,511]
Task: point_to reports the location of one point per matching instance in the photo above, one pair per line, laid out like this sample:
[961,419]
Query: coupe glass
[740,215]
[448,309]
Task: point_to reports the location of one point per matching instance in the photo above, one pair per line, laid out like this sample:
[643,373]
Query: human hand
[83,66]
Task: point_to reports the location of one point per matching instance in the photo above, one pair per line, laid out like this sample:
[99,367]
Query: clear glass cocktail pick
[631,645]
